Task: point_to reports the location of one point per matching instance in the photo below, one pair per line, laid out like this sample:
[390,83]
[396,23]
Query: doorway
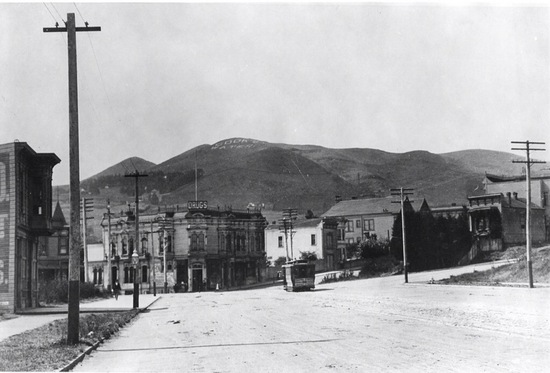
[197,277]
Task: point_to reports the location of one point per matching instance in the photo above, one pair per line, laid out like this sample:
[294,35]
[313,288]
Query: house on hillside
[498,221]
[540,189]
[361,219]
[204,248]
[316,235]
[25,218]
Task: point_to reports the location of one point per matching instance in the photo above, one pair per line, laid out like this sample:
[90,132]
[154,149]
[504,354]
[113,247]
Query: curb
[93,347]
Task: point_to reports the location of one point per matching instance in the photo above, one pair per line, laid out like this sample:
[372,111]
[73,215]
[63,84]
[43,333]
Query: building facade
[53,250]
[25,217]
[362,219]
[516,185]
[317,235]
[199,248]
[498,221]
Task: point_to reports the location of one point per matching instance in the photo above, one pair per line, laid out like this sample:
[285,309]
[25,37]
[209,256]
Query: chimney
[338,199]
[509,195]
[515,195]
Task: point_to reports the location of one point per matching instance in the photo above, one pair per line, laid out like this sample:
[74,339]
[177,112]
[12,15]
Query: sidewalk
[36,317]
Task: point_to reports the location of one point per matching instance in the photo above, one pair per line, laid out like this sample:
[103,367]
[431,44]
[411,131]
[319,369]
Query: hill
[241,172]
[125,166]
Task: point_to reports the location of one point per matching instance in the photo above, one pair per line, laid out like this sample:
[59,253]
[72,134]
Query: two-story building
[540,189]
[25,217]
[361,219]
[316,235]
[199,247]
[498,221]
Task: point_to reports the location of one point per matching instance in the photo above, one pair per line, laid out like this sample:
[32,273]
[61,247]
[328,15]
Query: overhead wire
[48,9]
[54,8]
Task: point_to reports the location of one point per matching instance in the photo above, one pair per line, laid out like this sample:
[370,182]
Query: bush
[57,291]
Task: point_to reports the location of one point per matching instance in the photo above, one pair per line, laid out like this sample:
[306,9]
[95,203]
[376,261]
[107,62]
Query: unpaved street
[358,326]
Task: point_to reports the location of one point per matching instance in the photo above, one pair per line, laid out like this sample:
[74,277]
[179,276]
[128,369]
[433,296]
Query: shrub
[57,291]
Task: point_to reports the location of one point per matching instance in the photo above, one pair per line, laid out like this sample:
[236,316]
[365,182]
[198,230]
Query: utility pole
[136,174]
[284,229]
[289,215]
[73,313]
[109,249]
[153,260]
[402,192]
[529,162]
[87,205]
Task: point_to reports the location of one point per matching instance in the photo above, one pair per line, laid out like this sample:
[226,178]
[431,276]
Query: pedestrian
[116,289]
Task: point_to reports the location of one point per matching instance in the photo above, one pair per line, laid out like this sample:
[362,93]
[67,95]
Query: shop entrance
[197,277]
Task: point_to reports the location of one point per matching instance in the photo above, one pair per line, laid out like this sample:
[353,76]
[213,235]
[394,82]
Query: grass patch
[45,348]
[510,273]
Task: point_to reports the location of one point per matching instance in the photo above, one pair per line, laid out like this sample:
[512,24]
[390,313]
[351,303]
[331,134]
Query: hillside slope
[238,172]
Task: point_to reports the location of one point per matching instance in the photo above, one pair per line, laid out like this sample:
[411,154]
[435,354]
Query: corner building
[25,220]
[205,249]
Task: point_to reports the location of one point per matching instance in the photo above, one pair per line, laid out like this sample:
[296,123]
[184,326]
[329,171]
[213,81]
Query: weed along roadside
[45,348]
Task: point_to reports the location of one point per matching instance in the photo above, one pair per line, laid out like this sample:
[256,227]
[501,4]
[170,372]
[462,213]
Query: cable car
[299,275]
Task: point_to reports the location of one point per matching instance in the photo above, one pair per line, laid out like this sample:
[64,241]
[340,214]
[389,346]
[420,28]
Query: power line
[48,9]
[54,8]
[80,14]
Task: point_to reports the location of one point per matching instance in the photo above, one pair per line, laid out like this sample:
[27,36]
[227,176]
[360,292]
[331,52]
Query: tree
[280,261]
[308,255]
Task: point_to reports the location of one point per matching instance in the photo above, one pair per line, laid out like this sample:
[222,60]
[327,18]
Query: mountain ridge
[238,172]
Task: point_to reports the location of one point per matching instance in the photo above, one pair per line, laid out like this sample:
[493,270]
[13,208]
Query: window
[130,246]
[313,240]
[144,245]
[280,241]
[144,274]
[368,224]
[63,243]
[340,234]
[351,240]
[349,226]
[124,249]
[358,224]
[197,241]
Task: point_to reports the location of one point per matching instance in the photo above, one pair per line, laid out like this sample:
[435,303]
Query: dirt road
[358,326]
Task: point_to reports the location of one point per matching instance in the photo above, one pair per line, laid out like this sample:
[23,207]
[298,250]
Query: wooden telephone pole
[529,162]
[402,193]
[136,175]
[74,179]
[86,206]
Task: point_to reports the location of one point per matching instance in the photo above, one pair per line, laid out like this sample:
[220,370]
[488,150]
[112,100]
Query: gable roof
[370,206]
[58,218]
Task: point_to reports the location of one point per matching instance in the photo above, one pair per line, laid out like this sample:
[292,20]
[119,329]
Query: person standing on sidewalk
[116,289]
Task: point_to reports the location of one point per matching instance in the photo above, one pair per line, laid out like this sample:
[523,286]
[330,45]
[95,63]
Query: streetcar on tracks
[299,275]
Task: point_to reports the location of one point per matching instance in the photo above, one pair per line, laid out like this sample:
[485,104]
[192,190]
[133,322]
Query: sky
[163,78]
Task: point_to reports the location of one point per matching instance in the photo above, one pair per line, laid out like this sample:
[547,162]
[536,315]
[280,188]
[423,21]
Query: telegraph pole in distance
[73,314]
[109,249]
[136,174]
[529,162]
[289,215]
[402,192]
[86,206]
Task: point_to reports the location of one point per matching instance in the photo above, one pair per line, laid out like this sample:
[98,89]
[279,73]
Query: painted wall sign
[4,222]
[197,205]
[237,143]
